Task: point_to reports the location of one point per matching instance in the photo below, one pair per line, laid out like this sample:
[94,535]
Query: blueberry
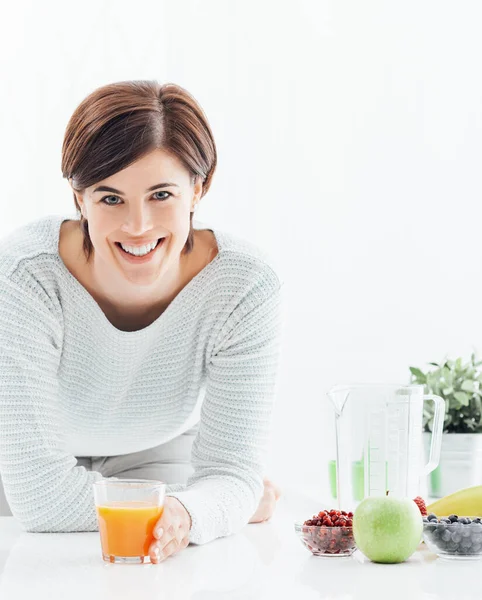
[445,520]
[453,518]
[440,527]
[432,517]
[425,520]
[456,537]
[446,536]
[476,542]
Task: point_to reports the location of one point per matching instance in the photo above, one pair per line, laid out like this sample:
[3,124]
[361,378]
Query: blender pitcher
[379,443]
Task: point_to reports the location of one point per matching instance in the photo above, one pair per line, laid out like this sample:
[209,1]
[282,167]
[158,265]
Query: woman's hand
[171,532]
[267,503]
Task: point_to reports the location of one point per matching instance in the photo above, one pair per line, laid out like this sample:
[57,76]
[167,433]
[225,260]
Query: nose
[138,221]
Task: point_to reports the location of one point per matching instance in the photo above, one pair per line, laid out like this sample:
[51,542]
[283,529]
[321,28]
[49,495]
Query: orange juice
[126,528]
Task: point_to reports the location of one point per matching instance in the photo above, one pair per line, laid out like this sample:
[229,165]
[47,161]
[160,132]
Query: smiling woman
[126,330]
[151,117]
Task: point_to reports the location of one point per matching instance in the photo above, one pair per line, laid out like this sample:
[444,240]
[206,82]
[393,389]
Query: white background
[349,141]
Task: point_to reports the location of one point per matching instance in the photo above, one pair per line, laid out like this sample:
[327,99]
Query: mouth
[140,259]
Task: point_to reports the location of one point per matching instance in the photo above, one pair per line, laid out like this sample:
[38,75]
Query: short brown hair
[119,123]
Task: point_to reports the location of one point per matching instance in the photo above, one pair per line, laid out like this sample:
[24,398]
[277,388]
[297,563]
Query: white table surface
[264,560]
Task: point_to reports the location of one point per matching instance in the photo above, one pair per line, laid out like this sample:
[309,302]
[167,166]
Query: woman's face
[149,200]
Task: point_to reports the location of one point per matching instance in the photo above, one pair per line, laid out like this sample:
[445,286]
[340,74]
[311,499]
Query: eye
[168,194]
[108,203]
[105,198]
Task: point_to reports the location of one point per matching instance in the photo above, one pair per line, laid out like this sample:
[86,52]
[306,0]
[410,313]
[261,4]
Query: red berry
[420,502]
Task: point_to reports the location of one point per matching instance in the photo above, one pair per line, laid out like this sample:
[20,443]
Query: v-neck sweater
[72,384]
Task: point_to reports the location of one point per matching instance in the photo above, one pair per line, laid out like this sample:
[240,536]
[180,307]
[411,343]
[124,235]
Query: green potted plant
[458,383]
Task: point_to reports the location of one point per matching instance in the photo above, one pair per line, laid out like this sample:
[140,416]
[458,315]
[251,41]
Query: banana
[466,502]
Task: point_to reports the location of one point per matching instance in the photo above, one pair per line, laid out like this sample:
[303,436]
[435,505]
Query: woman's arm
[231,447]
[45,489]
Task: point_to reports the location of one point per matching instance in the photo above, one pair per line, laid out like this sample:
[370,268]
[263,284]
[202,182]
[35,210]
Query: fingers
[266,507]
[158,554]
[270,506]
[174,537]
[276,489]
[160,533]
[171,532]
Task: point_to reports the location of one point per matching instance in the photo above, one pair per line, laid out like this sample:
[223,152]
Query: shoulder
[245,278]
[247,261]
[27,265]
[28,242]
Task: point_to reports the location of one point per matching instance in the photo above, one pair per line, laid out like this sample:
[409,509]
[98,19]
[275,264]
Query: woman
[128,332]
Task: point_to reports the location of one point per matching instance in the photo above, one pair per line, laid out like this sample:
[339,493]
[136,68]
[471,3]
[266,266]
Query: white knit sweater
[72,384]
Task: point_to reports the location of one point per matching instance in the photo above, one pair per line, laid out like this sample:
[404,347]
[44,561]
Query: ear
[79,197]
[198,189]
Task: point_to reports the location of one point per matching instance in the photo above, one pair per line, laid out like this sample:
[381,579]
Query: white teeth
[142,250]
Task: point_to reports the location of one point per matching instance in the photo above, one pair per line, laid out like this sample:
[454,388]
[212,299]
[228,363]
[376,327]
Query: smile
[143,258]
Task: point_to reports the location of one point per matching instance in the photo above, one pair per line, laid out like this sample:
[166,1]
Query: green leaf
[459,382]
[468,386]
[462,397]
[418,374]
[455,405]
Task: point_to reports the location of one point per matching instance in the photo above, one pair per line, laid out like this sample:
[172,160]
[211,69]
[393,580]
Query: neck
[128,298]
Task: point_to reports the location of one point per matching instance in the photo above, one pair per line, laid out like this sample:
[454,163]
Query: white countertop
[264,560]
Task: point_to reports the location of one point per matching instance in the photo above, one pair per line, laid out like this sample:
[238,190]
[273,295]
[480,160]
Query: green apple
[387,529]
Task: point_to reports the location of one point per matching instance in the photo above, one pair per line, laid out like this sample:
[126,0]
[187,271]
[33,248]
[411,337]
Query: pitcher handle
[436,438]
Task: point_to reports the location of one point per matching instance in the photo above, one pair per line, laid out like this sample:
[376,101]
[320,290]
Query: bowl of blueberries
[453,537]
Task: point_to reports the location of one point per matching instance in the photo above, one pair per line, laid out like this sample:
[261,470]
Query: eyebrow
[106,188]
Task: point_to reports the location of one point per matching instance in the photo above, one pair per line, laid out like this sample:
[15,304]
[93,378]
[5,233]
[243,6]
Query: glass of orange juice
[127,511]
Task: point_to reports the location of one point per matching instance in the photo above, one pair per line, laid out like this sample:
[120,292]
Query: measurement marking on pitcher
[376,481]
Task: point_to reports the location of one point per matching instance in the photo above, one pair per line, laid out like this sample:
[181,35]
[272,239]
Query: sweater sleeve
[230,450]
[45,489]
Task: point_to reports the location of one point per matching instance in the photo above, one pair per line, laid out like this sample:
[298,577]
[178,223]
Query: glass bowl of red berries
[329,533]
